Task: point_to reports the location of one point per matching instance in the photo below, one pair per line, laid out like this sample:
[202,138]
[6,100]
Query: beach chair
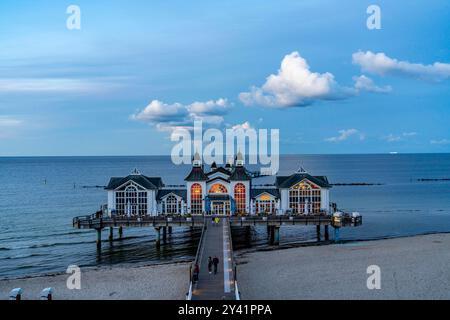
[16,294]
[47,294]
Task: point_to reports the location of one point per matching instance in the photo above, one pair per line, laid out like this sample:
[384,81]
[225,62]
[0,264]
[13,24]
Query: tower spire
[301,170]
[197,160]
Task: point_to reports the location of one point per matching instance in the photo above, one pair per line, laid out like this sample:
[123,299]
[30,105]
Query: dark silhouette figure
[210,265]
[196,272]
[215,263]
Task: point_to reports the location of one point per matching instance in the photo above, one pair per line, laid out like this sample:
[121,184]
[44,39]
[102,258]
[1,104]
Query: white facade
[299,193]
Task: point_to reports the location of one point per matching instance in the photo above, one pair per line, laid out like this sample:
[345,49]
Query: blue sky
[136,68]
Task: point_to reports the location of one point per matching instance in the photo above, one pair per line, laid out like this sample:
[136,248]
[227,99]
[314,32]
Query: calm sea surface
[40,196]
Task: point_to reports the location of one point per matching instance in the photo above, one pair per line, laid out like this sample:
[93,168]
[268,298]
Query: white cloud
[399,137]
[381,64]
[8,125]
[440,142]
[167,117]
[209,107]
[158,111]
[244,126]
[295,85]
[345,134]
[57,85]
[409,134]
[364,83]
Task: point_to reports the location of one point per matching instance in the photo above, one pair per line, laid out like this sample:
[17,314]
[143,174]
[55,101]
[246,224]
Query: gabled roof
[196,174]
[274,192]
[289,181]
[219,170]
[144,181]
[178,192]
[239,174]
[218,178]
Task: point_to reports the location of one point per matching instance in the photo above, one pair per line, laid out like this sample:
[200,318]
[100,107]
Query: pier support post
[120,232]
[271,231]
[327,234]
[111,233]
[158,237]
[337,235]
[164,229]
[276,236]
[99,238]
[170,230]
[318,232]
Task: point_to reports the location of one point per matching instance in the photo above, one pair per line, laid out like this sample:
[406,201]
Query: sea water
[39,196]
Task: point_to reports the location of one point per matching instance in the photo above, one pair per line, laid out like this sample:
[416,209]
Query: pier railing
[196,260]
[96,221]
[237,294]
[345,220]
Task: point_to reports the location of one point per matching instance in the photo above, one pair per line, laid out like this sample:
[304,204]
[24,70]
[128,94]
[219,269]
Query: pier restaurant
[224,191]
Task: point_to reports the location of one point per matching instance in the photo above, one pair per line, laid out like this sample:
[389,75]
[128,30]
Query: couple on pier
[213,262]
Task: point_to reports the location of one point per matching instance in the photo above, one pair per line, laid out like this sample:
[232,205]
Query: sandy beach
[411,268]
[159,282]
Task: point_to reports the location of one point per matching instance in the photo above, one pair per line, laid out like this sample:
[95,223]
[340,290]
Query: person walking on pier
[196,273]
[210,265]
[215,263]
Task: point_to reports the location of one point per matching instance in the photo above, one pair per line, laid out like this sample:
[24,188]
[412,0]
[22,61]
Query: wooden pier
[163,223]
[215,241]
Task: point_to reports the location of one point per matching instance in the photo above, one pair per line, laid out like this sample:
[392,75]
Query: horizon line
[168,155]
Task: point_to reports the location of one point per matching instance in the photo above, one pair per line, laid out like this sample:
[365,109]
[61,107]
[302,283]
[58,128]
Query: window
[131,201]
[172,205]
[304,197]
[218,188]
[265,204]
[239,198]
[196,199]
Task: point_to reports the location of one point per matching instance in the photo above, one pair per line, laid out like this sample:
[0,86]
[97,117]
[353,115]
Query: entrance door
[218,208]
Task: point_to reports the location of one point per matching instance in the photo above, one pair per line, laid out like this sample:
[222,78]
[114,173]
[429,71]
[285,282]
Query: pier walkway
[216,243]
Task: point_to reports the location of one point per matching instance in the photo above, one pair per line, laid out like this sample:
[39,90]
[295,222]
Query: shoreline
[167,281]
[240,252]
[340,271]
[293,245]
[124,265]
[300,271]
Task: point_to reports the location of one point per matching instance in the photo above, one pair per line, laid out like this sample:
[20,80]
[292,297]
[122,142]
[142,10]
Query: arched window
[265,204]
[240,198]
[304,198]
[196,199]
[218,188]
[131,201]
[171,206]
